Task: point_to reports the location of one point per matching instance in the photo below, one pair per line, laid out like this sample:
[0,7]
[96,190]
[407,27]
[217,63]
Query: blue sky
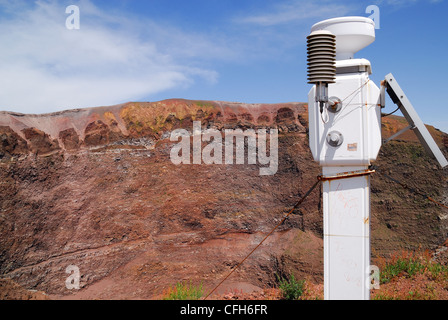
[249,51]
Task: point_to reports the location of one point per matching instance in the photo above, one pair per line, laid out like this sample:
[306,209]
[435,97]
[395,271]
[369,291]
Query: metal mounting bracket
[415,123]
[399,133]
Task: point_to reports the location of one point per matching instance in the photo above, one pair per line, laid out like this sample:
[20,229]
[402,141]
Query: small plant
[291,289]
[184,291]
[411,276]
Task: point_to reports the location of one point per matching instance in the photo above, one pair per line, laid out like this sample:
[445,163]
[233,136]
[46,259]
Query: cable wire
[355,91]
[417,192]
[383,115]
[270,233]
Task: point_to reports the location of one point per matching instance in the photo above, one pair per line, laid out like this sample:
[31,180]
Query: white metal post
[346,207]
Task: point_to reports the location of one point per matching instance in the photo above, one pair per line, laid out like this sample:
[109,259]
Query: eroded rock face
[96,189]
[11,144]
[70,139]
[87,128]
[96,134]
[40,143]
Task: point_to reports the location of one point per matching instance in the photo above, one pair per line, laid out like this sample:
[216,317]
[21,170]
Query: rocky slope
[95,188]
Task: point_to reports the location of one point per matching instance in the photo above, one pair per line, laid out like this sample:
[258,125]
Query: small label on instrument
[352,147]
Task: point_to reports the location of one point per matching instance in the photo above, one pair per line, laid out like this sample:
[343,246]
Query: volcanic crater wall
[95,188]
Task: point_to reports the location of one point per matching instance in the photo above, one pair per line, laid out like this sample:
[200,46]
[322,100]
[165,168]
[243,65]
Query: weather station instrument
[345,138]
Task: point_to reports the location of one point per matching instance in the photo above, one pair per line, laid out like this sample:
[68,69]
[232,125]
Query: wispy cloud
[297,11]
[404,3]
[111,59]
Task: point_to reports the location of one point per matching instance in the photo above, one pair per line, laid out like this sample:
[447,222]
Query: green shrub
[410,264]
[291,289]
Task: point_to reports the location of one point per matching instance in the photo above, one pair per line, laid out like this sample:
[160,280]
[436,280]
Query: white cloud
[111,59]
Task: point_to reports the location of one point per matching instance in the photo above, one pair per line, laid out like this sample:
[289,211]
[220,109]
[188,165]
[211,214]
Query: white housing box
[358,122]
